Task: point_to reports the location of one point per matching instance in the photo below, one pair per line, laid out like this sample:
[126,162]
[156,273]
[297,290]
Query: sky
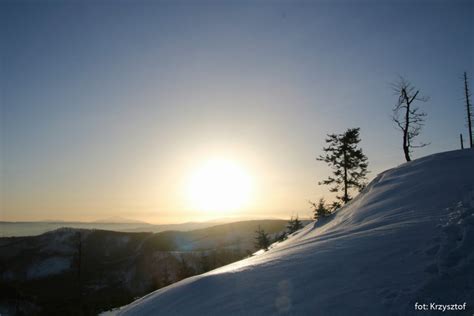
[108,108]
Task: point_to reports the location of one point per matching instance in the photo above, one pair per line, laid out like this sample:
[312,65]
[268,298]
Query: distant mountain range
[120,220]
[18,229]
[116,223]
[73,271]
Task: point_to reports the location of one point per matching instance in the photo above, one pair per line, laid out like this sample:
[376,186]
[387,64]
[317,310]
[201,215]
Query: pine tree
[280,237]
[205,262]
[262,239]
[184,270]
[294,225]
[321,209]
[348,162]
[79,263]
[335,205]
[165,277]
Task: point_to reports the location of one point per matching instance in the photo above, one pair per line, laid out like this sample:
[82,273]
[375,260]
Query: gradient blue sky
[107,106]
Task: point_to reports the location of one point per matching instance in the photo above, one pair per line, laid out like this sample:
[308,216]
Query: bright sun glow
[219,186]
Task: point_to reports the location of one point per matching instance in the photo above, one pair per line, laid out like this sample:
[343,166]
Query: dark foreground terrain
[82,272]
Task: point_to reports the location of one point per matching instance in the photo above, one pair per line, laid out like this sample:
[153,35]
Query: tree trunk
[406,141]
[346,195]
[406,150]
[79,270]
[468,107]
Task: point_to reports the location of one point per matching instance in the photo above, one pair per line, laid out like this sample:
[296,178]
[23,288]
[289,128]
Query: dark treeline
[84,272]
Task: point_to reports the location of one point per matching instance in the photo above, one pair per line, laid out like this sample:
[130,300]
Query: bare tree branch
[407,117]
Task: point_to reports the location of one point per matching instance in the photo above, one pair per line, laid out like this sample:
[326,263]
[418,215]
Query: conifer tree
[205,262]
[262,241]
[280,237]
[184,270]
[348,162]
[165,278]
[321,209]
[294,225]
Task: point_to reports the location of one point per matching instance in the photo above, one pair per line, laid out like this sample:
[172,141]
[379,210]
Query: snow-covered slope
[408,238]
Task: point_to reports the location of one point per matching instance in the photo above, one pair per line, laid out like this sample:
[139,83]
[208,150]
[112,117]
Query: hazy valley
[85,271]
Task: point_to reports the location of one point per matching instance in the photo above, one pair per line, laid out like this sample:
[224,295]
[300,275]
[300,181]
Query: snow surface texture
[407,238]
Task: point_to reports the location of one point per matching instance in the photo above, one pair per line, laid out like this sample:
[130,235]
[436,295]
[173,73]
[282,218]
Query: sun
[219,185]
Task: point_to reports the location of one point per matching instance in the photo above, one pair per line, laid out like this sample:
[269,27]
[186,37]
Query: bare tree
[468,108]
[407,116]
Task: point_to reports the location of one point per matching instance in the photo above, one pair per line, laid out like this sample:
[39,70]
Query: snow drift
[407,238]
